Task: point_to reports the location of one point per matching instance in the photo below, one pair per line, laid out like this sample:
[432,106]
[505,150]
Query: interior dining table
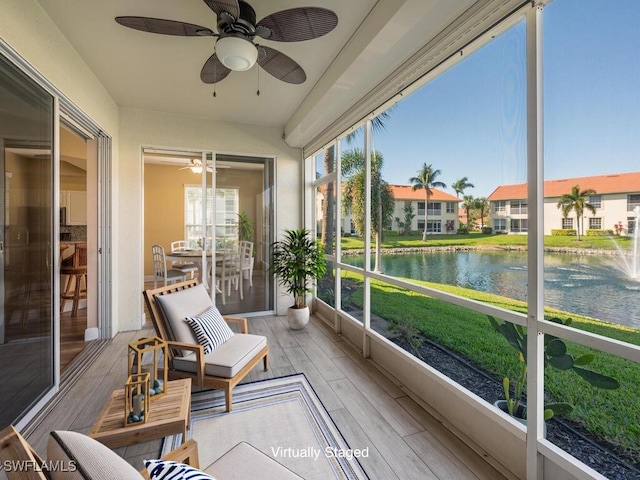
[194,256]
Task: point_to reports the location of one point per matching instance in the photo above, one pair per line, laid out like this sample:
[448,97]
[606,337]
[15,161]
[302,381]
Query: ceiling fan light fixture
[196,168]
[236,53]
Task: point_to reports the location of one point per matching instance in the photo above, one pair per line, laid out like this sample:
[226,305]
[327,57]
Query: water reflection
[585,285]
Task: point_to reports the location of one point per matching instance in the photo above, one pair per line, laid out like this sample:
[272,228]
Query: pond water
[583,284]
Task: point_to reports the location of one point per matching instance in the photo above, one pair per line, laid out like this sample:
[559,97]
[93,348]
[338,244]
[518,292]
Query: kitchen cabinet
[75,203]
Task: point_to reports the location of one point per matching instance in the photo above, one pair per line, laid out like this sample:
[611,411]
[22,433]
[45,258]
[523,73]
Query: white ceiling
[162,73]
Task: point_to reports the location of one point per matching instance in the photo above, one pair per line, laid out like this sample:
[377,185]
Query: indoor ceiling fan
[235,48]
[195,164]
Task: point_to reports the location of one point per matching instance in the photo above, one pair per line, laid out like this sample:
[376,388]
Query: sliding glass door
[26,200]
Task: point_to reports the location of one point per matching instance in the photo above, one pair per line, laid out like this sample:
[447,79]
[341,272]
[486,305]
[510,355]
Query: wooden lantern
[136,401]
[149,355]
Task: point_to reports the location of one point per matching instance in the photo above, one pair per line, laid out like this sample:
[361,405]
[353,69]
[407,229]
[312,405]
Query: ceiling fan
[235,48]
[195,164]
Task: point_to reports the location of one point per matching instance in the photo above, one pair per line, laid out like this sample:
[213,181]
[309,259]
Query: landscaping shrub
[463,230]
[564,232]
[487,230]
[598,232]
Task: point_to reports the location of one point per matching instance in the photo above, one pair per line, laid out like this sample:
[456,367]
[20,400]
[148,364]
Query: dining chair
[160,271]
[228,272]
[185,267]
[246,258]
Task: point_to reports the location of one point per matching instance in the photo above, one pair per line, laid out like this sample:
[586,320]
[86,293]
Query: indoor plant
[555,356]
[297,261]
[245,234]
[245,229]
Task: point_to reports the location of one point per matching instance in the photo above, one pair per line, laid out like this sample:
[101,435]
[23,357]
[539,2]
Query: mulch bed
[595,453]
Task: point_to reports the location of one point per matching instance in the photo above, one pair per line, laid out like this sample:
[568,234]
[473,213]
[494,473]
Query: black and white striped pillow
[168,470]
[210,329]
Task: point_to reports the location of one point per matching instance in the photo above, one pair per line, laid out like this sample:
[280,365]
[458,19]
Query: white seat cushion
[245,462]
[226,360]
[83,458]
[177,306]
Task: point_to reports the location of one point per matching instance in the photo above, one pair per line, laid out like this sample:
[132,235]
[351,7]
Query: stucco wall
[26,29]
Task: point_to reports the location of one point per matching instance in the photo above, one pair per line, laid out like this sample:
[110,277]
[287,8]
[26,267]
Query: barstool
[76,268]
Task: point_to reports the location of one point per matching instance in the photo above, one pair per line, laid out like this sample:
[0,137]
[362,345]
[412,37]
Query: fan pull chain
[258,70]
[214,90]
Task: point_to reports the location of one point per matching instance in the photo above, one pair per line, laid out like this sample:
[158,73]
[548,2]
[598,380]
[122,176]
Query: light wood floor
[405,442]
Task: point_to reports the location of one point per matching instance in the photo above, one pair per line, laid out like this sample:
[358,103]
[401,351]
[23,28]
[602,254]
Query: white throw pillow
[210,329]
[168,470]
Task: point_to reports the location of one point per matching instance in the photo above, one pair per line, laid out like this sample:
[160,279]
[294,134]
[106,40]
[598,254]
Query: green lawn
[392,240]
[609,414]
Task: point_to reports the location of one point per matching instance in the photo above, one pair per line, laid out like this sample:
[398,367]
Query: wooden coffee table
[169,414]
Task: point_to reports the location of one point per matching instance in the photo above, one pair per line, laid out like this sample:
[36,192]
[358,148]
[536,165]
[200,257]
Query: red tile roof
[602,184]
[405,192]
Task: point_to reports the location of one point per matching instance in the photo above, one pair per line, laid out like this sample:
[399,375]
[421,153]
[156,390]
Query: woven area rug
[284,418]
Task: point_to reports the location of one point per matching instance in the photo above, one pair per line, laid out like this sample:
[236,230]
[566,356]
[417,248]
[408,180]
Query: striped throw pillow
[168,470]
[210,329]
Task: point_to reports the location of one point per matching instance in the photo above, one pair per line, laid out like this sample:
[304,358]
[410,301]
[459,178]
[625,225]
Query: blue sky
[470,121]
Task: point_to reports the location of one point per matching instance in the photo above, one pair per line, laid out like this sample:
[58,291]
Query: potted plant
[245,234]
[298,260]
[555,356]
[245,229]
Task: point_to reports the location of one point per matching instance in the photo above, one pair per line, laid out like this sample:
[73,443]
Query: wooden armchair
[72,455]
[21,462]
[223,368]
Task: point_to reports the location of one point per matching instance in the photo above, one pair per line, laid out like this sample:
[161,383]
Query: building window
[519,225]
[596,201]
[500,206]
[420,208]
[451,207]
[420,224]
[435,208]
[633,201]
[595,223]
[519,207]
[500,224]
[352,227]
[434,226]
[631,225]
[567,223]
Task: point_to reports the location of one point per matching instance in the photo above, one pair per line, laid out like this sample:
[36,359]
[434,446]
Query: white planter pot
[298,317]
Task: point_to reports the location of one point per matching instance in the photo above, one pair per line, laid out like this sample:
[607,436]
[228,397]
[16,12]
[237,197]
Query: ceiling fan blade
[213,70]
[165,27]
[280,66]
[219,6]
[298,24]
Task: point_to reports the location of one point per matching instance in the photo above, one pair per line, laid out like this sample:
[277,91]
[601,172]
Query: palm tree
[468,204]
[426,179]
[353,170]
[481,204]
[328,206]
[577,201]
[382,203]
[461,185]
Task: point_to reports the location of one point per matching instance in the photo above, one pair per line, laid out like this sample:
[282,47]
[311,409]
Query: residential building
[442,214]
[615,198]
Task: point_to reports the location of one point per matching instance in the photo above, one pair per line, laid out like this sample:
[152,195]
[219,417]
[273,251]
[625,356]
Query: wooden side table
[168,415]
